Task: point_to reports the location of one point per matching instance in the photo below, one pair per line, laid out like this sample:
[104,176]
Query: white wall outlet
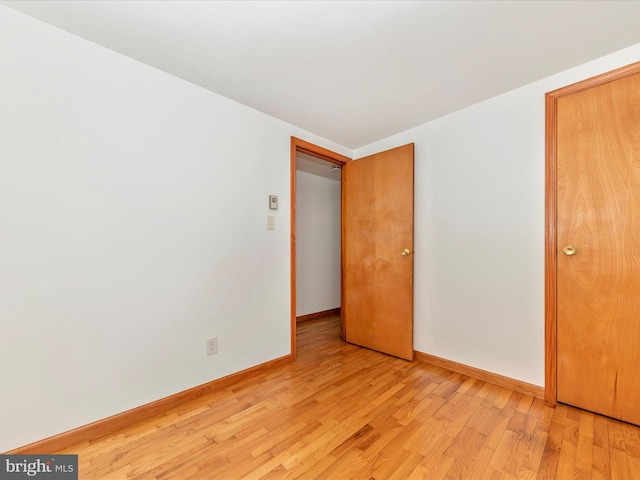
[212,345]
[271,222]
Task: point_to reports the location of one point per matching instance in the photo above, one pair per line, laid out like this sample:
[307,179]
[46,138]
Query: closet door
[598,248]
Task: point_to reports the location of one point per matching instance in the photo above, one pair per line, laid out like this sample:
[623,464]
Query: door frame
[299,145]
[550,250]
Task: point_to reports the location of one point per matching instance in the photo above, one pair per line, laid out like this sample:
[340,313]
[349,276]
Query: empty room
[319,239]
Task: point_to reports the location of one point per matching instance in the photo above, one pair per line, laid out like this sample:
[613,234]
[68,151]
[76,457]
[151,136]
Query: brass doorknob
[570,250]
[405,252]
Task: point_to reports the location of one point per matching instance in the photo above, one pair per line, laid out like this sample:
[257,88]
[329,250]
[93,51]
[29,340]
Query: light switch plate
[271,222]
[273,202]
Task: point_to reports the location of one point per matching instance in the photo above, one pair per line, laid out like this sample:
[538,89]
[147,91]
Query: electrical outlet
[212,345]
[271,222]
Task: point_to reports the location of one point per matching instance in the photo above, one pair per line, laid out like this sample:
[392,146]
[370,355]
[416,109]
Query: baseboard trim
[116,422]
[313,316]
[494,378]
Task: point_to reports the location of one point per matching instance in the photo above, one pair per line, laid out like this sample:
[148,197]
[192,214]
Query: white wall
[132,226]
[317,243]
[479,227]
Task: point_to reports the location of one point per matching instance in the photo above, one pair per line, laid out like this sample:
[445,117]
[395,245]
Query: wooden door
[377,251]
[598,249]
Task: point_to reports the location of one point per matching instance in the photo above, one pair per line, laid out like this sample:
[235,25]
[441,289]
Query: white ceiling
[352,71]
[318,166]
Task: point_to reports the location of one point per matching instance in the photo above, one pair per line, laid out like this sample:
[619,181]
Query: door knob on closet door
[570,250]
[405,252]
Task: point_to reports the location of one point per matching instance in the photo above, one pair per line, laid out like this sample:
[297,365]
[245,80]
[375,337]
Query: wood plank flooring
[344,412]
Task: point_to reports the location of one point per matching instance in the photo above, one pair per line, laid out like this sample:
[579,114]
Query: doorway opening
[311,156]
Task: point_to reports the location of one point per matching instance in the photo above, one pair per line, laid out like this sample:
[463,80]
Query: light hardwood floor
[343,412]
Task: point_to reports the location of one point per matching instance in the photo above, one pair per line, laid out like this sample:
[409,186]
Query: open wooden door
[377,251]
